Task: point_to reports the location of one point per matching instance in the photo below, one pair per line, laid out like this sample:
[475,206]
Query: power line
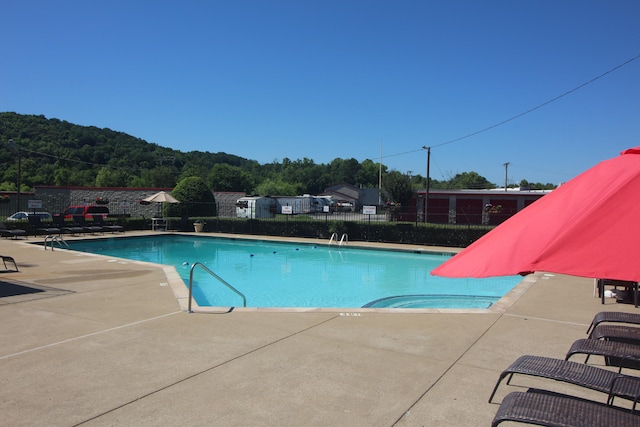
[420,149]
[517,116]
[104,165]
[402,154]
[541,105]
[53,156]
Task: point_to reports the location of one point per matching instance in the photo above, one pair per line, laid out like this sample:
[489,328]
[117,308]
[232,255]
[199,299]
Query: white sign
[34,204]
[325,209]
[287,210]
[369,210]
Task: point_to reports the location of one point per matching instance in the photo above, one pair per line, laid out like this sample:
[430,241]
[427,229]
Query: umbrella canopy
[587,227]
[161,197]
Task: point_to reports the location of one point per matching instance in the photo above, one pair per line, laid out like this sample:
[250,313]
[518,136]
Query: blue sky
[274,79]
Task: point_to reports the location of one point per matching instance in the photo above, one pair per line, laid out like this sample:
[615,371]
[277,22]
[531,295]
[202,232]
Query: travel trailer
[302,204]
[256,207]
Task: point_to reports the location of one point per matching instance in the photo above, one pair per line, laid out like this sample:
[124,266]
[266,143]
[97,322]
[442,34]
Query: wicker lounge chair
[99,221]
[6,259]
[556,410]
[14,234]
[93,229]
[620,333]
[618,354]
[614,317]
[603,380]
[39,228]
[65,228]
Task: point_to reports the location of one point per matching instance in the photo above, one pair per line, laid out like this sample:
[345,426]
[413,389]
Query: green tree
[343,170]
[369,173]
[108,177]
[310,177]
[62,177]
[160,177]
[224,177]
[7,186]
[397,188]
[277,187]
[541,186]
[470,180]
[196,199]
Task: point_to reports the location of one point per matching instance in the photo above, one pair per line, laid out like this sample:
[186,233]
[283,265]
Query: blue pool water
[273,274]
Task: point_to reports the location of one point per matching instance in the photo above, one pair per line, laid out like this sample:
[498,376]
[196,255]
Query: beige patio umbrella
[161,197]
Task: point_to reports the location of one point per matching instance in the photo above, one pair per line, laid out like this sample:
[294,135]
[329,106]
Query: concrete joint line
[211,368]
[87,336]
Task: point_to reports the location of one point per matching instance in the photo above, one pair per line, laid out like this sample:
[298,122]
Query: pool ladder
[220,279]
[343,240]
[50,239]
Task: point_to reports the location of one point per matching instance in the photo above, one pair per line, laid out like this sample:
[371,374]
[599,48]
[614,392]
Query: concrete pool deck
[98,341]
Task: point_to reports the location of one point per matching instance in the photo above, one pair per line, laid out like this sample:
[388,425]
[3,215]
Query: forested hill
[56,152]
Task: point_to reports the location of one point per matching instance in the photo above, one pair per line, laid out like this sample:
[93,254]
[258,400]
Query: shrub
[196,199]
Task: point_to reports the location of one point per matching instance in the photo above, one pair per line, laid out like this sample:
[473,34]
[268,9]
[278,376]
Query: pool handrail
[51,239]
[220,279]
[334,237]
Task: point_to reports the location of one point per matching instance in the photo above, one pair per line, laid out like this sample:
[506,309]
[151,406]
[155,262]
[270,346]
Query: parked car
[23,216]
[85,210]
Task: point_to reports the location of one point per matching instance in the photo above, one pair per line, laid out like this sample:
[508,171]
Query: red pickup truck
[85,210]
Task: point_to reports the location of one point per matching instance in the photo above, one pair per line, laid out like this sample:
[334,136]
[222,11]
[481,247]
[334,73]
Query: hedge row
[421,234]
[301,226]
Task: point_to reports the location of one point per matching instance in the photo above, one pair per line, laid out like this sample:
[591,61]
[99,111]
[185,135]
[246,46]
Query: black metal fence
[393,224]
[438,214]
[395,214]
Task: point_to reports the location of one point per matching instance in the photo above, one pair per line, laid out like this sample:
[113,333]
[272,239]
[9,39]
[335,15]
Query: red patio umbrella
[588,227]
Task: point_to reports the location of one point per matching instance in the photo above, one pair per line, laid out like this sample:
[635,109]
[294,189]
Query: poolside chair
[65,228]
[591,377]
[614,317]
[558,410]
[619,333]
[80,221]
[6,259]
[618,354]
[39,228]
[13,233]
[99,221]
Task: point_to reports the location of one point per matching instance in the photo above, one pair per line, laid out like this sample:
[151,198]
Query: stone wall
[226,203]
[121,201]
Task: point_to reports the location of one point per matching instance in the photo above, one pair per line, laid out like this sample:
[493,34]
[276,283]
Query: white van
[23,216]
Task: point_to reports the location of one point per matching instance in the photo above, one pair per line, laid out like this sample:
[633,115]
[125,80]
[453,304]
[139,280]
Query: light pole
[380,176]
[426,193]
[15,146]
[506,174]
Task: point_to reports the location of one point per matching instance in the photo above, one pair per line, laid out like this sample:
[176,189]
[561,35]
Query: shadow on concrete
[12,291]
[8,289]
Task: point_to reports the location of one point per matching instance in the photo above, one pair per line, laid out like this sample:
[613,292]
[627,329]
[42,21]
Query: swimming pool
[278,274]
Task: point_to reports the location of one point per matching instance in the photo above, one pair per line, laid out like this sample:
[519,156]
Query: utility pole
[506,174]
[426,193]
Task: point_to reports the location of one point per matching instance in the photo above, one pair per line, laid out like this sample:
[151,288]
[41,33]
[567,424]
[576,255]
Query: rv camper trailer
[302,204]
[255,207]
